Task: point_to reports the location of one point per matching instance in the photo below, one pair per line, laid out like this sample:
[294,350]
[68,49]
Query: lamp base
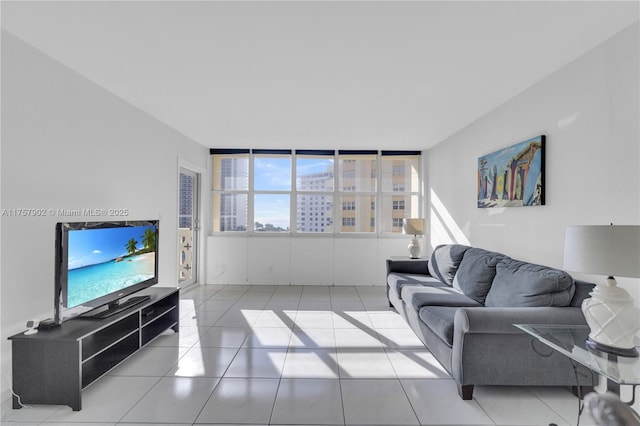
[612,318]
[601,347]
[414,248]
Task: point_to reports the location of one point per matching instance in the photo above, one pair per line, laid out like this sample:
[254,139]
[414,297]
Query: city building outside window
[349,222]
[349,205]
[400,187]
[230,190]
[357,189]
[398,205]
[315,176]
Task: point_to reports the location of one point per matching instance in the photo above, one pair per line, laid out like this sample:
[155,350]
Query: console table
[54,365]
[570,340]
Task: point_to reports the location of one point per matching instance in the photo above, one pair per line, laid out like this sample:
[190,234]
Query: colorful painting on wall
[513,176]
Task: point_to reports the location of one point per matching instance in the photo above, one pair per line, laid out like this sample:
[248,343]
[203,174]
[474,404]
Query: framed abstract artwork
[512,176]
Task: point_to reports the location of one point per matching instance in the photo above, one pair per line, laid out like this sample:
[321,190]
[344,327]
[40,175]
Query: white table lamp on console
[413,227]
[607,250]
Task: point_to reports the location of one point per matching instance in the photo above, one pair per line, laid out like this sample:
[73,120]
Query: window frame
[335,217]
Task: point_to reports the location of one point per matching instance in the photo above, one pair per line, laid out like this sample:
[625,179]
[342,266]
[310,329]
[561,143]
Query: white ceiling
[327,74]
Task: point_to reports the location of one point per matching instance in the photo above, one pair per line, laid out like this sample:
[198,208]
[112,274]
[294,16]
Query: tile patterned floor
[276,355]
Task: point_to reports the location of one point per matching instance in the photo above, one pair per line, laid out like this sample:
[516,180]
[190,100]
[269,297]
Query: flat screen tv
[100,263]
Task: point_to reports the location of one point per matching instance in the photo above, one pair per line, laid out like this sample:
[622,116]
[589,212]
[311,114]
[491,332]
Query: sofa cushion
[396,281]
[476,273]
[445,260]
[440,320]
[521,284]
[417,297]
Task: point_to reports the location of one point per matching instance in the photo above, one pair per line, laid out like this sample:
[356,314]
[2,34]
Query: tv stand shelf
[54,365]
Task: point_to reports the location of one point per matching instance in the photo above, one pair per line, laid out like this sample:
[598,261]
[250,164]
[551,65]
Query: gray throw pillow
[521,284]
[476,273]
[445,260]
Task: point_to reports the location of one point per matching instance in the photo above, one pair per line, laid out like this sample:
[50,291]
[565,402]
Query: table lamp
[607,250]
[413,227]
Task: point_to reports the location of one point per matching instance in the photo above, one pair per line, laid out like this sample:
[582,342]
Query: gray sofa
[462,303]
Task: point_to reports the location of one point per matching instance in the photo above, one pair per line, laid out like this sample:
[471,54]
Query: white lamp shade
[413,226]
[612,250]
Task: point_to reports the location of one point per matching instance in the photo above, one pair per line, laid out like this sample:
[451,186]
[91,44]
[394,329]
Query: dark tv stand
[117,307]
[54,365]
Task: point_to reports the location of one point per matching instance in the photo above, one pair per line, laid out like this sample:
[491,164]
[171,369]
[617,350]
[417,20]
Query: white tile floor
[276,355]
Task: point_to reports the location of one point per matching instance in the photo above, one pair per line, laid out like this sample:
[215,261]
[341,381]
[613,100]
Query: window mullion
[420,194]
[250,201]
[336,194]
[293,197]
[378,197]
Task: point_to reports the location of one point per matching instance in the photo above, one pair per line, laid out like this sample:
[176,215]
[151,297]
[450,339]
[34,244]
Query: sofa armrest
[501,320]
[489,349]
[419,266]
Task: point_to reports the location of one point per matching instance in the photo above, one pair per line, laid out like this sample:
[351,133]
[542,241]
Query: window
[315,178]
[349,221]
[357,172]
[358,177]
[230,190]
[349,205]
[271,212]
[280,191]
[400,189]
[272,191]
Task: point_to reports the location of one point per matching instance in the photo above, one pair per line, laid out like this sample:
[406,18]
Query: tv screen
[98,263]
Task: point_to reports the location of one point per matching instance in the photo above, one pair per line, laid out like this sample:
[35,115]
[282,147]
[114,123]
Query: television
[101,263]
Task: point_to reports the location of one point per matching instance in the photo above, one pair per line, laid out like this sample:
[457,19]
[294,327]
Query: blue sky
[91,246]
[273,209]
[274,174]
[313,165]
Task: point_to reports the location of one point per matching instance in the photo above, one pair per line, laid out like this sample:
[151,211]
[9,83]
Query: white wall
[299,260]
[590,114]
[69,144]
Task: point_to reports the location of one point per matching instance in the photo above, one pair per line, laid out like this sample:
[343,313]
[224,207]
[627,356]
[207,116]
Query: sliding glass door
[188,226]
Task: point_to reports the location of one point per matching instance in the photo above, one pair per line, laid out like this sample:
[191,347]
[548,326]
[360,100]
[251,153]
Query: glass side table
[570,340]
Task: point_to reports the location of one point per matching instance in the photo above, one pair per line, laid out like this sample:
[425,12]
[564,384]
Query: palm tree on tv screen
[149,239]
[131,246]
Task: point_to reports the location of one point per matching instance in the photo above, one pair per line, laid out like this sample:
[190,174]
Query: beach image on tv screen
[102,261]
